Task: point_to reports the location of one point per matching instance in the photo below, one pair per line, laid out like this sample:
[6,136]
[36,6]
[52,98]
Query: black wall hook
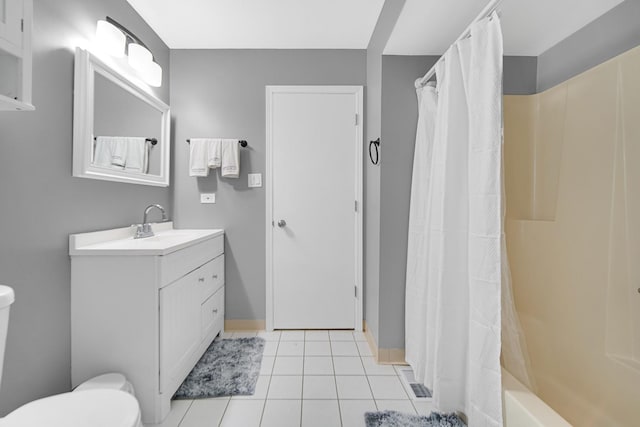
[374,144]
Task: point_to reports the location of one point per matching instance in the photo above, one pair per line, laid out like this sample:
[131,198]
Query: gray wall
[386,22]
[138,118]
[42,203]
[399,120]
[608,36]
[519,75]
[222,93]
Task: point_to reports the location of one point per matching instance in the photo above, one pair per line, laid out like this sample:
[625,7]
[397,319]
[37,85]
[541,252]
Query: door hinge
[356,205]
[356,123]
[355,288]
[22,25]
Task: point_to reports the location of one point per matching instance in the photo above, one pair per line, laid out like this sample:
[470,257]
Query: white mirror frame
[86,65]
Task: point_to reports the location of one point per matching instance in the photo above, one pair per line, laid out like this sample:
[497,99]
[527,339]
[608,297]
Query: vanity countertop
[120,241]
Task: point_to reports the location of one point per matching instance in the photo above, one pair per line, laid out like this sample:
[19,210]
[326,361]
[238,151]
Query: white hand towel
[230,158]
[215,153]
[102,152]
[137,154]
[198,157]
[111,152]
[119,148]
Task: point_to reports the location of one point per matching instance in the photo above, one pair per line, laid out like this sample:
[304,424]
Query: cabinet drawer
[212,313]
[212,277]
[179,263]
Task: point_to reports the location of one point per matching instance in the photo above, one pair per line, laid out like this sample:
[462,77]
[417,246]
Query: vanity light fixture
[115,39]
[152,73]
[138,56]
[110,39]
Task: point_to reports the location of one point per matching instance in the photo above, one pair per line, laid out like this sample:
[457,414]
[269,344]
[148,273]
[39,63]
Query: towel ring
[375,144]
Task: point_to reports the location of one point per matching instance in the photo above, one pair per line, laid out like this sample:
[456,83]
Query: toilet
[109,381]
[106,400]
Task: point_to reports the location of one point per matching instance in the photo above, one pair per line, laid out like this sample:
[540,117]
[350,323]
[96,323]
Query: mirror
[120,131]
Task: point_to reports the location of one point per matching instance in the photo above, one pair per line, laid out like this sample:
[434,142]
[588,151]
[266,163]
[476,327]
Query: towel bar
[242,142]
[153,141]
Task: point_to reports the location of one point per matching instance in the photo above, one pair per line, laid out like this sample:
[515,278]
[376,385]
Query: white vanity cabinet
[191,314]
[16,18]
[147,308]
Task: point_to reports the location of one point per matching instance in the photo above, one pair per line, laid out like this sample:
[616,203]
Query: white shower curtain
[453,299]
[416,292]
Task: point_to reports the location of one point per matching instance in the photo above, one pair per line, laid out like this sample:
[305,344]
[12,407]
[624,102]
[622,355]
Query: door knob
[282,223]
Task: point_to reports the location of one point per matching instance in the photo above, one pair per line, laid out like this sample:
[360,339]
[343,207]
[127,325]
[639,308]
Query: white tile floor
[307,378]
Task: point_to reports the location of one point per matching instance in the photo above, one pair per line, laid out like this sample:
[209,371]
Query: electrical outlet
[255,180]
[207,197]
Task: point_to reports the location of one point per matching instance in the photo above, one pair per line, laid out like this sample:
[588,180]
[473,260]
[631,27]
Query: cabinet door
[11,21]
[212,315]
[179,330]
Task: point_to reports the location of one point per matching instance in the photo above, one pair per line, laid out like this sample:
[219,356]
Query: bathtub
[522,408]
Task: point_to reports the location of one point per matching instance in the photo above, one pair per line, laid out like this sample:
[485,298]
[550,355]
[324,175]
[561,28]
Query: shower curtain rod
[488,10]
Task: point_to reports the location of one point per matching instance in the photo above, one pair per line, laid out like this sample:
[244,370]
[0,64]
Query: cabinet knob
[201,279]
[282,223]
[215,276]
[215,311]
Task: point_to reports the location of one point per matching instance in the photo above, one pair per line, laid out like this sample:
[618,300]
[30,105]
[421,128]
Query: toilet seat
[94,408]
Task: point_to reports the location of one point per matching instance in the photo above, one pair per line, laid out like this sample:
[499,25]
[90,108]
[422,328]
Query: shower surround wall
[573,232]
[42,203]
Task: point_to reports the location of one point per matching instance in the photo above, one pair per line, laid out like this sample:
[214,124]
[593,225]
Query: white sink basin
[120,241]
[170,237]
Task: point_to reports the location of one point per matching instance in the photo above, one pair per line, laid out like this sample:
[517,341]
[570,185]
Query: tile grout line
[185,413]
[375,402]
[264,405]
[414,406]
[335,380]
[264,402]
[223,412]
[304,348]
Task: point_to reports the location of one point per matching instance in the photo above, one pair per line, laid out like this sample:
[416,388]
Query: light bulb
[139,56]
[153,74]
[110,38]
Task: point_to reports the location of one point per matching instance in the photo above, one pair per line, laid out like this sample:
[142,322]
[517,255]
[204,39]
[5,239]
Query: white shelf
[11,49]
[10,104]
[16,55]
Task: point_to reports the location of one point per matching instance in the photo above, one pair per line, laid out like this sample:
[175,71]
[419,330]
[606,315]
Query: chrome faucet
[144,229]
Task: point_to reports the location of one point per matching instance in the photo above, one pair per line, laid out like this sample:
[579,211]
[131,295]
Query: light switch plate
[207,197]
[255,180]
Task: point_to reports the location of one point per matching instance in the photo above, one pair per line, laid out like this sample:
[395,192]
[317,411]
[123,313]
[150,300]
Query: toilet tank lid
[7,296]
[114,381]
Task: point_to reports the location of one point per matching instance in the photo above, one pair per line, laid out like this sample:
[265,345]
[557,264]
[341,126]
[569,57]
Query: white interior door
[314,186]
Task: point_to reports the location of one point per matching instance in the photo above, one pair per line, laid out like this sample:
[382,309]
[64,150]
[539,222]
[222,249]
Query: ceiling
[261,24]
[529,27]
[425,27]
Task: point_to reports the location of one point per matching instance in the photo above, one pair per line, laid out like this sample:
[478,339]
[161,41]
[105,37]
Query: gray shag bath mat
[229,367]
[398,419]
